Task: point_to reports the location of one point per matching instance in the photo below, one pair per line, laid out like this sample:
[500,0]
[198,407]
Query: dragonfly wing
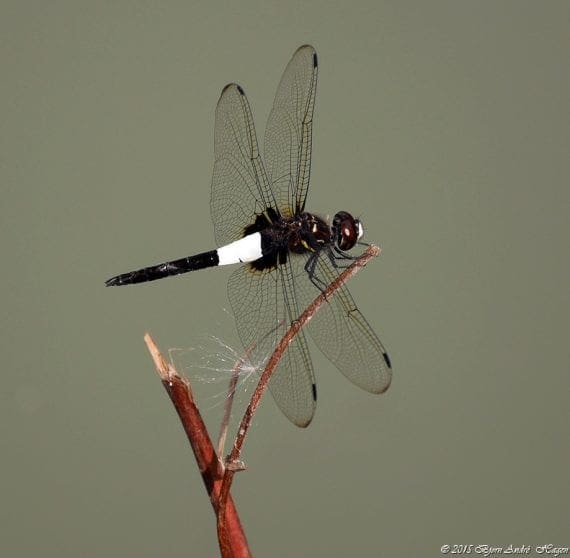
[343,334]
[288,136]
[240,187]
[264,307]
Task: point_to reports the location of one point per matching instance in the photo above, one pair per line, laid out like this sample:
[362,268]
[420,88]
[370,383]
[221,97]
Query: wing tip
[233,85]
[306,419]
[311,50]
[304,423]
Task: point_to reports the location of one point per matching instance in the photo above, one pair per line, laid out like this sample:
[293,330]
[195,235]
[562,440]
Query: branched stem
[217,477]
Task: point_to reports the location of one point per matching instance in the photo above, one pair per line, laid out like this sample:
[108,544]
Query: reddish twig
[371,252]
[232,386]
[234,543]
[217,475]
[228,405]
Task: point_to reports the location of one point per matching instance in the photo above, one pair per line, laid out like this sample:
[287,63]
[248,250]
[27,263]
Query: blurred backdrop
[443,125]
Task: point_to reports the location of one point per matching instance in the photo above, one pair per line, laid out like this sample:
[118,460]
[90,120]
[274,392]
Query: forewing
[263,308]
[240,188]
[344,335]
[288,135]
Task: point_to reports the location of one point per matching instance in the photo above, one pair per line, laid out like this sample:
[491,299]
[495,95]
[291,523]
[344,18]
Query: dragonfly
[286,254]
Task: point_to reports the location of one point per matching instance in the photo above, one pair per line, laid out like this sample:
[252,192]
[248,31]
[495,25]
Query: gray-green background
[444,125]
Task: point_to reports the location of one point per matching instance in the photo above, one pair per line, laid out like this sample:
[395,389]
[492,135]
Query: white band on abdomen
[246,249]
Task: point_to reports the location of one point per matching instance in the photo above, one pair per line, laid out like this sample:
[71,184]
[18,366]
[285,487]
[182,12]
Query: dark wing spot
[387,359]
[314,386]
[315,63]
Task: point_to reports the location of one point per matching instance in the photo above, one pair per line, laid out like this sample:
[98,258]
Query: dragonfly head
[346,230]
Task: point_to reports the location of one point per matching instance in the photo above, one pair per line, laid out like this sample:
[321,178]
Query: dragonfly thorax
[309,233]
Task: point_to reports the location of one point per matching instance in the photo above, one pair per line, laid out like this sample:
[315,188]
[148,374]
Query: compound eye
[348,230]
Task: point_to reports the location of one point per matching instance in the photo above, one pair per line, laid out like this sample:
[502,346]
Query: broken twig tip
[163,368]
